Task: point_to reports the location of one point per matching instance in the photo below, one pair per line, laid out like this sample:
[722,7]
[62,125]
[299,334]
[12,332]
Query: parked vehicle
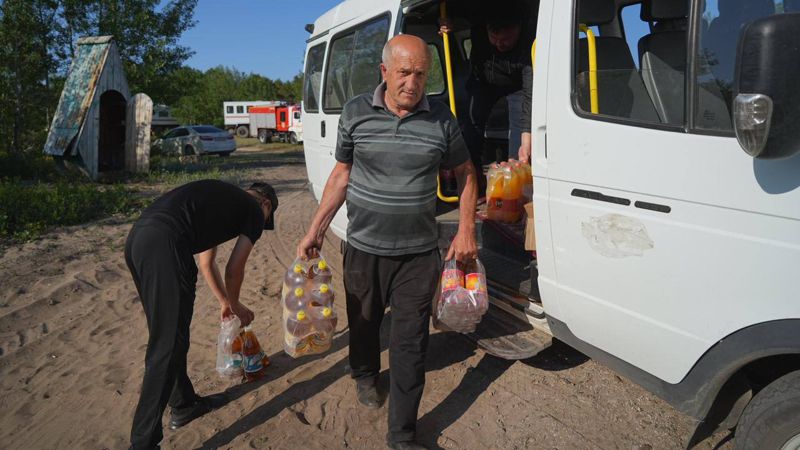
[666,192]
[283,123]
[237,115]
[197,140]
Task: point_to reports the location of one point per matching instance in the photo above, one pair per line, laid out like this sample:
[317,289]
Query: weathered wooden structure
[90,122]
[137,135]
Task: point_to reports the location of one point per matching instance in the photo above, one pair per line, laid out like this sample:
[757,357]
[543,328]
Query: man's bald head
[405,44]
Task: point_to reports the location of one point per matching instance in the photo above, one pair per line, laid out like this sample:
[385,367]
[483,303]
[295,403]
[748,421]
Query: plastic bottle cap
[298,292]
[301,315]
[322,264]
[323,288]
[298,268]
[326,312]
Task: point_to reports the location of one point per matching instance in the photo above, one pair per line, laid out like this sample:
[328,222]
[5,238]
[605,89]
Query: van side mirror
[766,105]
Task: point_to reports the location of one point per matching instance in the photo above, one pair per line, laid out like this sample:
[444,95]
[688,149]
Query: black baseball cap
[268,192]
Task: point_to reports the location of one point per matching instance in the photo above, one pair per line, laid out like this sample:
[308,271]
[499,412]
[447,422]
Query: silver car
[196,140]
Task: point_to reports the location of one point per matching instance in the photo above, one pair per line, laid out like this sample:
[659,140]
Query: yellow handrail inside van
[592,68]
[449,69]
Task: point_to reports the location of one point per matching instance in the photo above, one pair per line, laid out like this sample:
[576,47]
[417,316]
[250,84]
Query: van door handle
[592,195]
[322,128]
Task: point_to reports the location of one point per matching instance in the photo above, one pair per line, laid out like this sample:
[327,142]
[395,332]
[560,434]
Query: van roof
[348,11]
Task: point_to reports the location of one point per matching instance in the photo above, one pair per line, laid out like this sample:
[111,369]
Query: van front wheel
[772,419]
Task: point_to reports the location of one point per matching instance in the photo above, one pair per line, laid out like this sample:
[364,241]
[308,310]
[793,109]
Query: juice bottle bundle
[239,355]
[505,190]
[308,316]
[463,300]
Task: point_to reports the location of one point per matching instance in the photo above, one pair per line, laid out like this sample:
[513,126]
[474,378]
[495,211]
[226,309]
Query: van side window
[313,78]
[621,92]
[435,84]
[721,24]
[229,109]
[240,110]
[354,63]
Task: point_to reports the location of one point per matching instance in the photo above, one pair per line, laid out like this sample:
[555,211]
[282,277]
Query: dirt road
[72,340]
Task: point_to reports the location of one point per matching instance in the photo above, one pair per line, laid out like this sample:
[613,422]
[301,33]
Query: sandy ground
[73,335]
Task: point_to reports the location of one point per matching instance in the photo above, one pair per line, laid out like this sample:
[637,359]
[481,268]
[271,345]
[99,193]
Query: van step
[511,275]
[505,336]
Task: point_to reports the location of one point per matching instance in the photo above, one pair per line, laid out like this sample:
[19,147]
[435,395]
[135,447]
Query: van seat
[662,56]
[621,92]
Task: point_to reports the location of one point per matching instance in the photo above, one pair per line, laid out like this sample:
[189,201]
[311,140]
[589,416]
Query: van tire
[292,138]
[242,131]
[772,419]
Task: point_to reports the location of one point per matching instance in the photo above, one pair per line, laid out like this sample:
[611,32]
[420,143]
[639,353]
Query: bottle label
[475,282]
[509,205]
[236,361]
[254,363]
[452,279]
[495,203]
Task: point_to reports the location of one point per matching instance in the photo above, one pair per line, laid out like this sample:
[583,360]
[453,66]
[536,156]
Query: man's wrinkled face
[504,39]
[405,76]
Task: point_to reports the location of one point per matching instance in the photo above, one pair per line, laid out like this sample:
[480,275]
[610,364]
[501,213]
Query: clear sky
[267,36]
[260,36]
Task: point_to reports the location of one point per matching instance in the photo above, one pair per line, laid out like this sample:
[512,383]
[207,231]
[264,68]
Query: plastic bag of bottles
[463,299]
[239,354]
[229,362]
[309,319]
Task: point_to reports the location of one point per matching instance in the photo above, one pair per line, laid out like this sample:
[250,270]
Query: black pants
[406,283]
[165,275]
[473,116]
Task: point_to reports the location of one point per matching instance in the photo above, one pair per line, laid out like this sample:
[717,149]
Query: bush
[26,166]
[28,209]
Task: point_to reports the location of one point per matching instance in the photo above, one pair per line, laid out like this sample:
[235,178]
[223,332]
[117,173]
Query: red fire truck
[283,123]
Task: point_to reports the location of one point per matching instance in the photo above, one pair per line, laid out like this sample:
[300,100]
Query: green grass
[274,146]
[30,208]
[35,194]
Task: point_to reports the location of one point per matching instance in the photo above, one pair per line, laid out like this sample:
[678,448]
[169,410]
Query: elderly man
[390,146]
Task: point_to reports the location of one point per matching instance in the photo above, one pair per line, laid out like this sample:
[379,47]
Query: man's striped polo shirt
[391,196]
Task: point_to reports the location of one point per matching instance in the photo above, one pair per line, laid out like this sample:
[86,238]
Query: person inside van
[500,67]
[390,146]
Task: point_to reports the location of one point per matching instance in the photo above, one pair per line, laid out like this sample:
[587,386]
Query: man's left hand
[464,247]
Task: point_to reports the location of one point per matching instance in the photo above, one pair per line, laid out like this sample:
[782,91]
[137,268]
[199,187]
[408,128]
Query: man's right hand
[309,247]
[445,26]
[239,310]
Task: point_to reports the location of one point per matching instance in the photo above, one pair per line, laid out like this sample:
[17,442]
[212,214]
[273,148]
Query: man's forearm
[332,199]
[233,283]
[468,198]
[208,267]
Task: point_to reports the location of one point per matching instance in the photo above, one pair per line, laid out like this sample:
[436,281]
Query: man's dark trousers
[473,117]
[163,269]
[407,283]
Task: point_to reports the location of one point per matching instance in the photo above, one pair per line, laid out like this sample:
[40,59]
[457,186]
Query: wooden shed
[90,122]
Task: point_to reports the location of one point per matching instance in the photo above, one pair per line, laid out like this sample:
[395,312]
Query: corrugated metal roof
[76,98]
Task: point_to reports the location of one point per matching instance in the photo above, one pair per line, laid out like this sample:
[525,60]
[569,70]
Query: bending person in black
[192,219]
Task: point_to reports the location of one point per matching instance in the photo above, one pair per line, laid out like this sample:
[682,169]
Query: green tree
[25,72]
[145,32]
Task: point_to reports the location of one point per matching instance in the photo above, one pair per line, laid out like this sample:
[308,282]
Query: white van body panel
[658,290]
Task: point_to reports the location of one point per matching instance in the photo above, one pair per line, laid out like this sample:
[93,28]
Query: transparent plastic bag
[307,303]
[463,299]
[229,362]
